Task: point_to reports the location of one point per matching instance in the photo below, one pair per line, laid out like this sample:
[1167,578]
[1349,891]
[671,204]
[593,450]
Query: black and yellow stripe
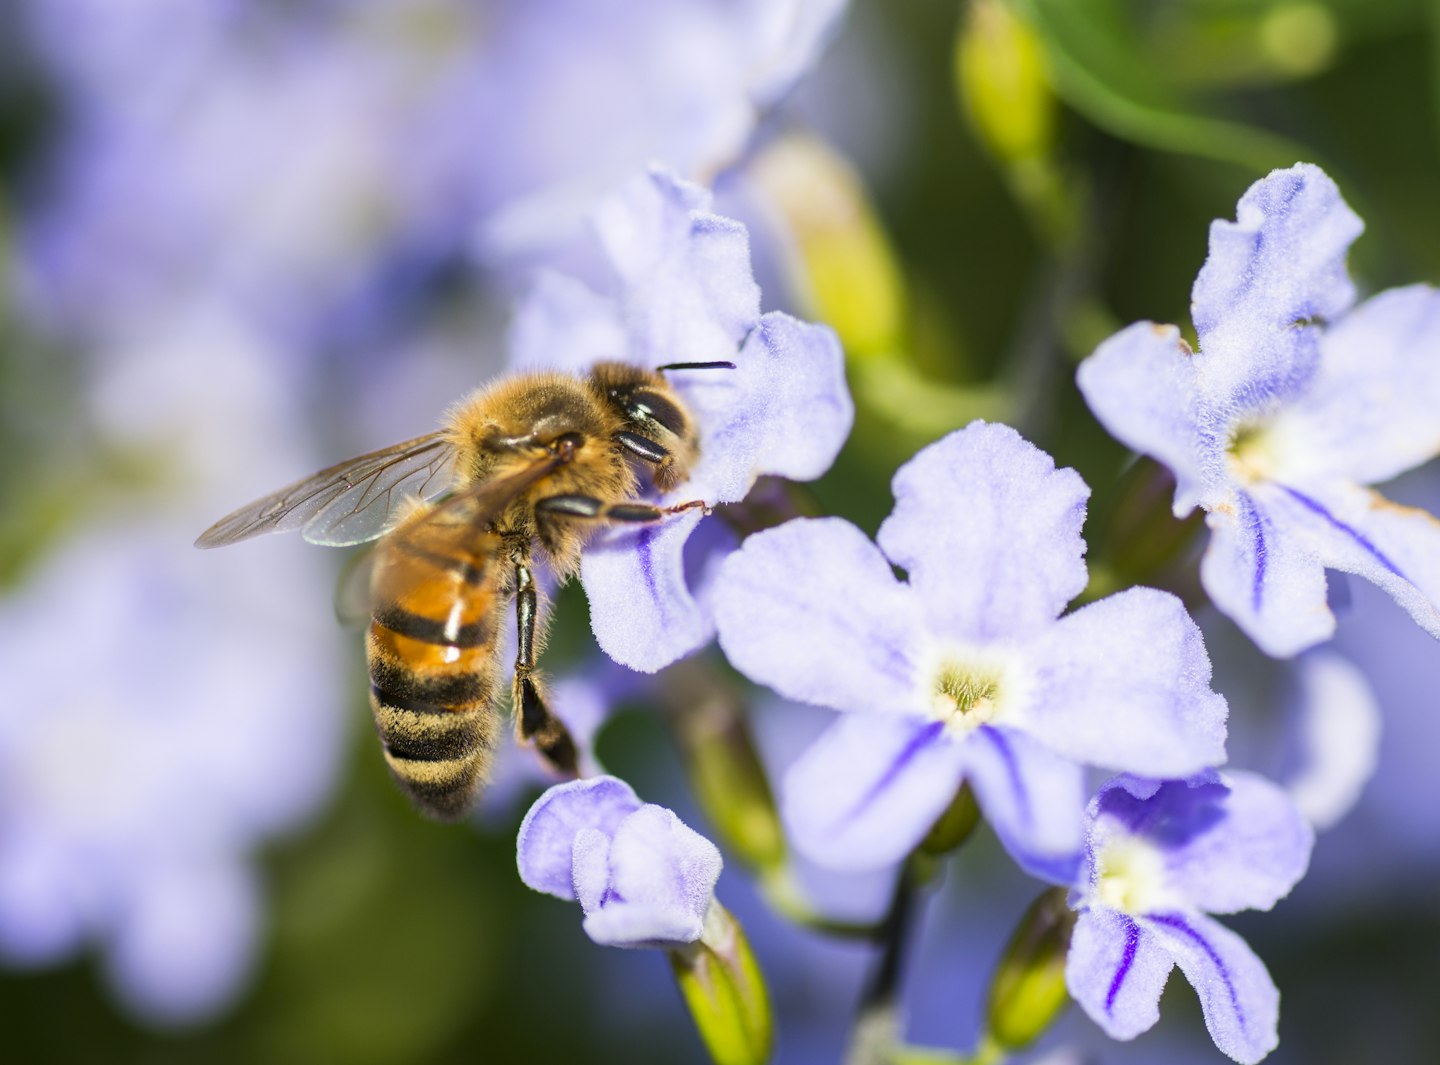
[432,654]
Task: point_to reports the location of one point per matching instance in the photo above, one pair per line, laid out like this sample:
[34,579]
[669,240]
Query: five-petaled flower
[643,878]
[1160,858]
[1292,403]
[965,671]
[680,290]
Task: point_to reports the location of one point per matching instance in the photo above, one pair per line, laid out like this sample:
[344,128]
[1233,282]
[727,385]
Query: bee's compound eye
[651,405]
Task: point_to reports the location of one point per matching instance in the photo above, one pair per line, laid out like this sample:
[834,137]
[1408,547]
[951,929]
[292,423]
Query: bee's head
[658,427]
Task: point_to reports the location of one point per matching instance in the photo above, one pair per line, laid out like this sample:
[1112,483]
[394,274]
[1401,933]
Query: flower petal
[866,793]
[1353,529]
[590,867]
[662,881]
[545,844]
[562,324]
[785,409]
[685,285]
[989,532]
[812,609]
[1116,971]
[1271,277]
[1370,412]
[1254,845]
[1237,996]
[1264,581]
[1141,385]
[1033,798]
[1332,724]
[642,611]
[1124,683]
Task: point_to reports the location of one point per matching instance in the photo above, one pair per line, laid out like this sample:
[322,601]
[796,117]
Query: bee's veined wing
[476,507]
[349,503]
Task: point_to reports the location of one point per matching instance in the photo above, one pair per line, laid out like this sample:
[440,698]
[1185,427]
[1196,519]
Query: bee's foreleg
[658,455]
[533,718]
[590,508]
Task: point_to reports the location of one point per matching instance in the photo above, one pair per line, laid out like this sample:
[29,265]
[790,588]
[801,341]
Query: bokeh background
[242,239]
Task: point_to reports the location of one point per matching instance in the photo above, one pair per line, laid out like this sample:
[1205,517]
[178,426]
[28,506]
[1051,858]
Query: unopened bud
[725,991]
[1028,990]
[1001,77]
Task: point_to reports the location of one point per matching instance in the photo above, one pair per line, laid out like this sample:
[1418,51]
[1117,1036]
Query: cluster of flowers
[968,676]
[964,680]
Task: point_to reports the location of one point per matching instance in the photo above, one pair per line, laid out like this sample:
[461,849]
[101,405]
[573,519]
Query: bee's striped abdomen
[432,654]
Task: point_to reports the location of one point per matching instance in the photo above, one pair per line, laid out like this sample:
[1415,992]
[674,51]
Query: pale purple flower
[964,671]
[643,878]
[163,719]
[1160,858]
[165,716]
[680,290]
[1295,400]
[307,164]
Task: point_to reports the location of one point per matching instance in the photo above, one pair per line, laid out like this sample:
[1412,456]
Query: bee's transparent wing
[349,503]
[352,589]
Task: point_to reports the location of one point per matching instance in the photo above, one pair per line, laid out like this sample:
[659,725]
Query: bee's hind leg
[533,718]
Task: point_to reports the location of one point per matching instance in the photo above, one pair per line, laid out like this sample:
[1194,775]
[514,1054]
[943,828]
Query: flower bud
[1002,82]
[1028,990]
[725,991]
[725,771]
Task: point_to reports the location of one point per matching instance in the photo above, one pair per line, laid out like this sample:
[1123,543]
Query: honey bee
[523,468]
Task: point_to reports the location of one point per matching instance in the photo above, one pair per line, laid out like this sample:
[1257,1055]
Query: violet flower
[1159,859]
[964,672]
[680,290]
[1294,402]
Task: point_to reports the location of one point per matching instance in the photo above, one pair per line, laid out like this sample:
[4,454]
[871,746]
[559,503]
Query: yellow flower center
[1253,454]
[965,693]
[1130,876]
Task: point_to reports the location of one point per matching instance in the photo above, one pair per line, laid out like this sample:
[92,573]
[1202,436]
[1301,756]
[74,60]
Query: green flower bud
[844,267]
[725,991]
[725,770]
[1001,77]
[953,826]
[1028,990]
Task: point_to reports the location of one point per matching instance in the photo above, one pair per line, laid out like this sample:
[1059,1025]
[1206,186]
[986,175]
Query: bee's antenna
[719,365]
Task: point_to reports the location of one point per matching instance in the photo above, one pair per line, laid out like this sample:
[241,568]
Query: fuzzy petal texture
[545,844]
[1370,412]
[1116,970]
[1271,277]
[565,325]
[989,532]
[1141,385]
[642,610]
[1033,798]
[1358,531]
[684,283]
[867,792]
[661,883]
[1250,857]
[784,410]
[1124,683]
[1266,582]
[812,610]
[1237,995]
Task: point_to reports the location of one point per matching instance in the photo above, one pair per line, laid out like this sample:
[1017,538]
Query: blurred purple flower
[1293,403]
[142,766]
[680,290]
[642,877]
[302,163]
[1159,859]
[962,673]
